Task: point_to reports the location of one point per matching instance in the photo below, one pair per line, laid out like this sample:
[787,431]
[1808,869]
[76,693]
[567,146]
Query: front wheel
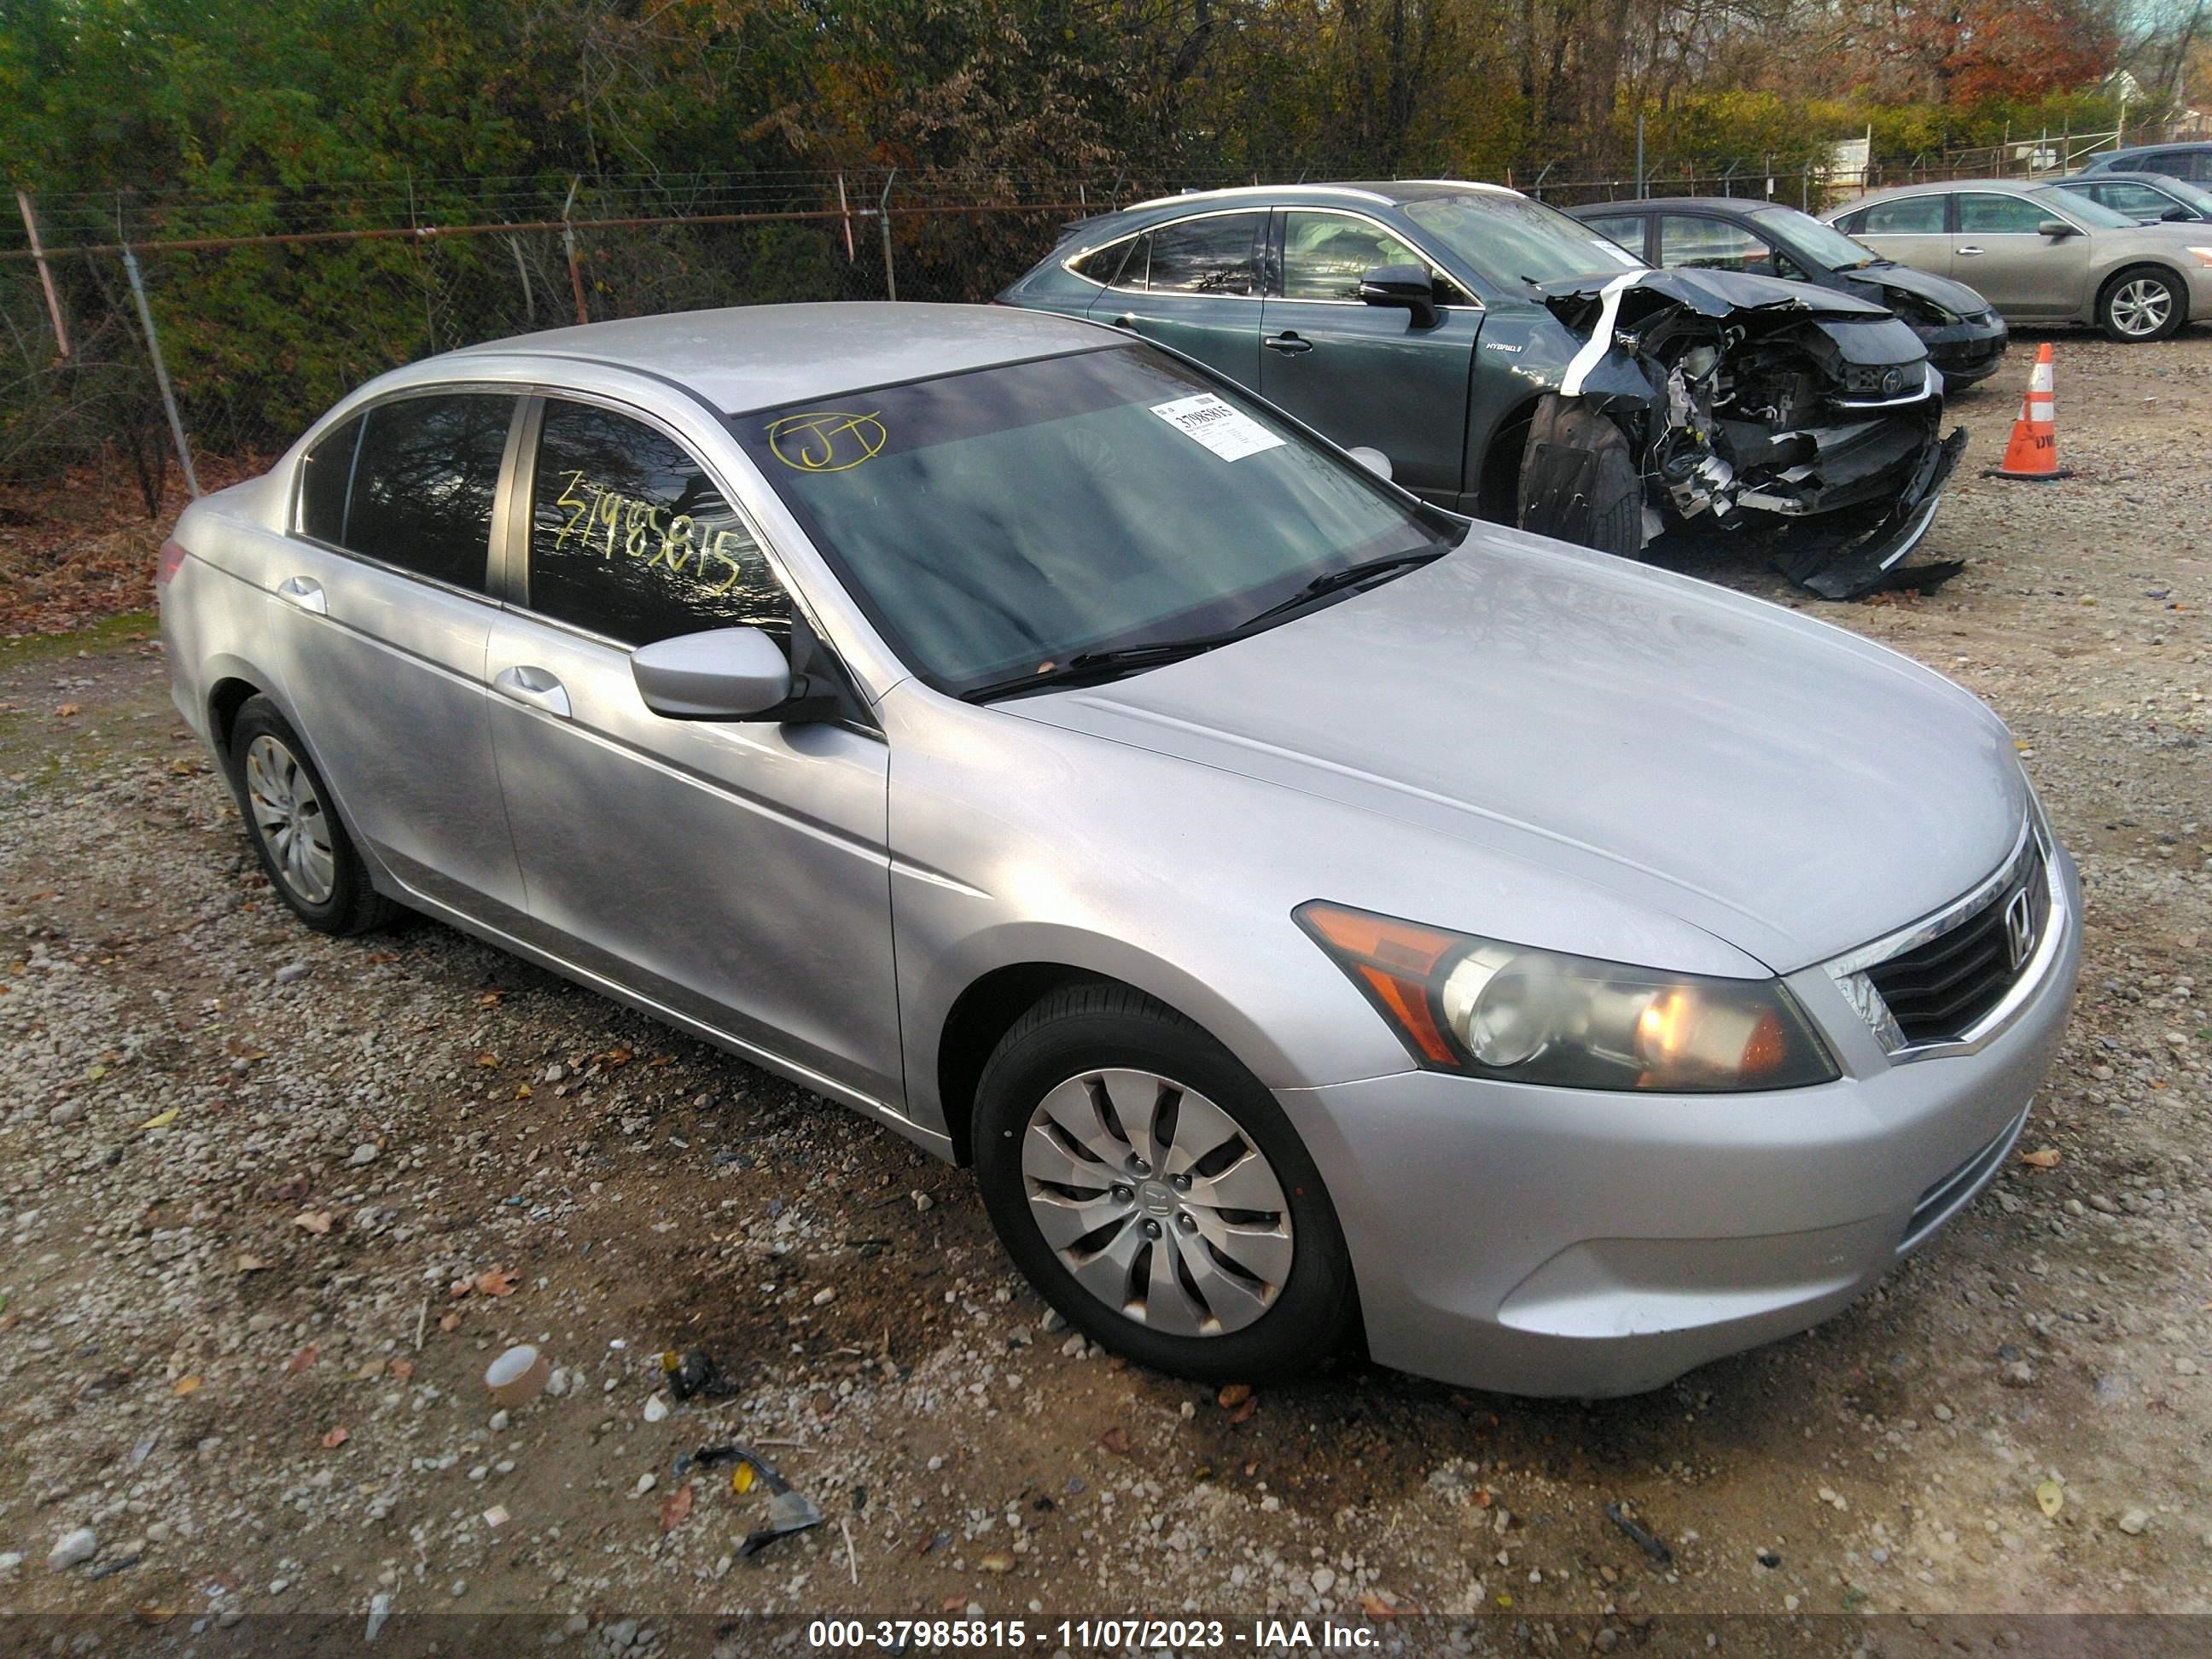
[2142,304]
[1154,1192]
[1579,481]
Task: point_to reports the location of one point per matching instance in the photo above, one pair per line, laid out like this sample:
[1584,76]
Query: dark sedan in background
[2192,161]
[1965,339]
[2148,199]
[1514,364]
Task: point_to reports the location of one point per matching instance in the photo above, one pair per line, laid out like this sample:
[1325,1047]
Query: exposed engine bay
[1748,405]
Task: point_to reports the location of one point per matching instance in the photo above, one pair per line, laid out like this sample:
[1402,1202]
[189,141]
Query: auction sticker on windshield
[1228,433]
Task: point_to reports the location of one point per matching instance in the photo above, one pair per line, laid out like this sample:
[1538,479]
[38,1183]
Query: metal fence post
[160,371]
[1639,155]
[884,219]
[569,242]
[46,275]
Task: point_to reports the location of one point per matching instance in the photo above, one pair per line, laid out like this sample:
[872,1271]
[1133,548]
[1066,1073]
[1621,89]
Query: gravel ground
[269,1203]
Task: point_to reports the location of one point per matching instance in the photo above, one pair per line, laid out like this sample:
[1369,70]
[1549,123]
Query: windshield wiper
[1351,576]
[1088,666]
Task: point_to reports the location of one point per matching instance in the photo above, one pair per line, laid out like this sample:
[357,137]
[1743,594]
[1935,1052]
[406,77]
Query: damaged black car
[1514,364]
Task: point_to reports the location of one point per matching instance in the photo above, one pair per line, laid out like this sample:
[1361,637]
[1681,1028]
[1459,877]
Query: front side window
[1819,243]
[2139,200]
[1213,255]
[414,487]
[1984,215]
[1325,254]
[629,537]
[1000,522]
[1914,215]
[1702,244]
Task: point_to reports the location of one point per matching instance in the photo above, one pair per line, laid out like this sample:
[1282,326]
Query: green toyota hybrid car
[1513,364]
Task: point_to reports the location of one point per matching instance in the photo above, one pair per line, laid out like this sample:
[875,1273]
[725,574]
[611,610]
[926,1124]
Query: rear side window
[1626,228]
[1205,255]
[1915,215]
[631,538]
[1700,244]
[413,486]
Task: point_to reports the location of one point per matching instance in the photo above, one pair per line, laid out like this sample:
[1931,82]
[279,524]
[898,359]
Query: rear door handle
[308,595]
[1286,343]
[1966,249]
[536,688]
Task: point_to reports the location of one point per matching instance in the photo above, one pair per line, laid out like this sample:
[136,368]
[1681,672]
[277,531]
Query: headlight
[1489,1009]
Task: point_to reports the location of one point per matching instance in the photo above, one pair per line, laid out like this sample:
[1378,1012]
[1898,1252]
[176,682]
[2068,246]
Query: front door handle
[535,687]
[1286,343]
[1966,251]
[308,595]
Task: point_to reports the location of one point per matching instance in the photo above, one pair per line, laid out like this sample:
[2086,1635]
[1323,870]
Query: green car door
[1367,375]
[1194,286]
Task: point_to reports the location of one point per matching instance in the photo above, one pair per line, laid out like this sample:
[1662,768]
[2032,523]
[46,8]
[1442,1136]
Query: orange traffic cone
[2033,451]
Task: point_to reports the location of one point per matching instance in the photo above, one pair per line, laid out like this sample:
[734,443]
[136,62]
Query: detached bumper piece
[1809,418]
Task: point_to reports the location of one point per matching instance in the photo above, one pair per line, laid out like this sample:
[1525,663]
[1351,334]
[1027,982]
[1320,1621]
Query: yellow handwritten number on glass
[825,442]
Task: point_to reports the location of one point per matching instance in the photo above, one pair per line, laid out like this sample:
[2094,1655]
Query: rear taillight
[173,554]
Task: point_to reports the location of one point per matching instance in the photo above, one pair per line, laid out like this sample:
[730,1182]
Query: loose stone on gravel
[74,1548]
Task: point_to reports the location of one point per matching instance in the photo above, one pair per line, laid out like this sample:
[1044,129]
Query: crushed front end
[1789,411]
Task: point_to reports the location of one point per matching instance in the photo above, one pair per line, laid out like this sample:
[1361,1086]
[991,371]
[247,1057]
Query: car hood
[1775,782]
[1954,297]
[1708,293]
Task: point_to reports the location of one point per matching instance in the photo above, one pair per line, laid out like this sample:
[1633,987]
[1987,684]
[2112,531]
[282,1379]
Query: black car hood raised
[1954,297]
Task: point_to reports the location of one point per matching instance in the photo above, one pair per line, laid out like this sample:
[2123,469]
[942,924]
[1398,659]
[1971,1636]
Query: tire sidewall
[2176,316]
[1310,1311]
[260,718]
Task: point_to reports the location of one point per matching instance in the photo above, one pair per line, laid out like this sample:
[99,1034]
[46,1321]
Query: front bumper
[1545,1241]
[1966,352]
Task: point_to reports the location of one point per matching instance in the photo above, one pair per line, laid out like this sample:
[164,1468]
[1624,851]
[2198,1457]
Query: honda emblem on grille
[2020,928]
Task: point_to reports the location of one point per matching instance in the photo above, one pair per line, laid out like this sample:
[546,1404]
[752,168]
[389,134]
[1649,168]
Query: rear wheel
[1153,1192]
[1579,482]
[310,859]
[2144,303]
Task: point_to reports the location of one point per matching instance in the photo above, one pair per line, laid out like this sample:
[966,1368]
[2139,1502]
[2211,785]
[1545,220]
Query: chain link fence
[266,307]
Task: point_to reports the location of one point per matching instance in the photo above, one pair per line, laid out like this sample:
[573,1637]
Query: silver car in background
[1303,906]
[2043,255]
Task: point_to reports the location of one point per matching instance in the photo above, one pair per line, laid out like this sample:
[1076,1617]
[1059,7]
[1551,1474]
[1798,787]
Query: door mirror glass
[1373,459]
[1401,287]
[723,674]
[2055,228]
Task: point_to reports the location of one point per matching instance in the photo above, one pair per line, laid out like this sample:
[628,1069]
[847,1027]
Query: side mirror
[1401,287]
[1374,460]
[2056,228]
[2175,215]
[724,674]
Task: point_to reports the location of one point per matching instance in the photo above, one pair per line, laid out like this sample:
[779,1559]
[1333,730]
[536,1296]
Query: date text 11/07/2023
[1259,1636]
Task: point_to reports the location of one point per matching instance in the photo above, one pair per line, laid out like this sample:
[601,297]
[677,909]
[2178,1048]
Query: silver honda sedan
[1302,907]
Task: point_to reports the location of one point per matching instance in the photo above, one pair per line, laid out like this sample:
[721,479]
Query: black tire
[1084,1028]
[1579,481]
[351,905]
[2123,295]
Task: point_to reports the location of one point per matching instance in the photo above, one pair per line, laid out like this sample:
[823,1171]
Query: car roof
[2125,175]
[1738,204]
[745,357]
[1389,192]
[1943,187]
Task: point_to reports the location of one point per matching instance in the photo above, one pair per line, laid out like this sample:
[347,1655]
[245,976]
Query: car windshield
[1824,245]
[2081,210]
[1509,239]
[1001,522]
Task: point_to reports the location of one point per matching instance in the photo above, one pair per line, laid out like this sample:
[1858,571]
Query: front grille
[1937,990]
